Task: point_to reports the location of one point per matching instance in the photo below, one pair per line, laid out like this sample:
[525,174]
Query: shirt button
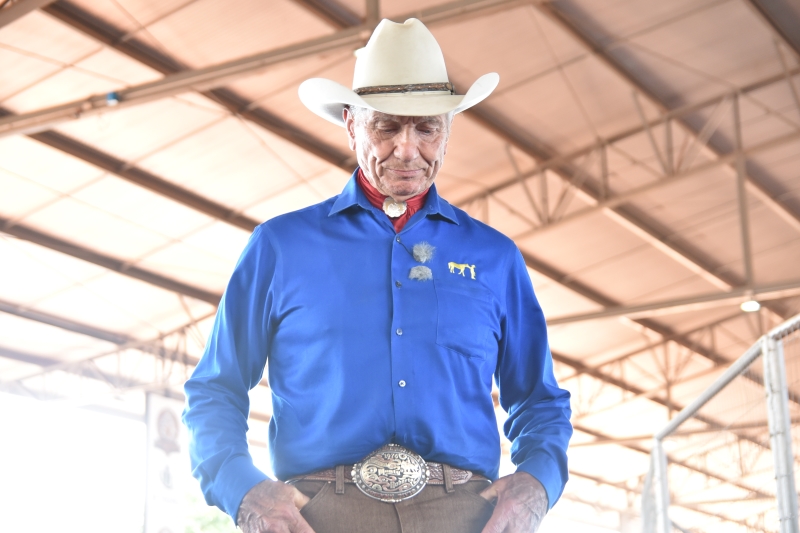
[399,331]
[397,238]
[398,284]
[402,383]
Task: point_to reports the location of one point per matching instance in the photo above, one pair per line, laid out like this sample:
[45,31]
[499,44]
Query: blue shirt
[359,354]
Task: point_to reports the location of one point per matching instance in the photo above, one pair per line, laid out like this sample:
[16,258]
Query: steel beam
[19,9]
[94,332]
[654,345]
[741,197]
[143,178]
[628,196]
[333,13]
[43,361]
[630,132]
[26,357]
[63,323]
[216,75]
[114,37]
[373,10]
[593,295]
[625,488]
[782,18]
[627,217]
[117,265]
[686,433]
[709,474]
[758,188]
[737,295]
[538,150]
[173,84]
[90,331]
[639,392]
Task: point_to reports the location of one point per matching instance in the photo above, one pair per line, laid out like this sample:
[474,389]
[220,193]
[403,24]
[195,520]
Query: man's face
[400,156]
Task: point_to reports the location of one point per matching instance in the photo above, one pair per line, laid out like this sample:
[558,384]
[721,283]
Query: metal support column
[741,193]
[373,10]
[780,432]
[661,487]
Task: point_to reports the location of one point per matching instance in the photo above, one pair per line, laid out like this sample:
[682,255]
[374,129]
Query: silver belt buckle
[391,474]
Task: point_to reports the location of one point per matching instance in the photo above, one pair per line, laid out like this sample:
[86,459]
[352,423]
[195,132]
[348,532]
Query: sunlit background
[70,470]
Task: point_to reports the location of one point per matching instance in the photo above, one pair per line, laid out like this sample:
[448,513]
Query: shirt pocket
[466,320]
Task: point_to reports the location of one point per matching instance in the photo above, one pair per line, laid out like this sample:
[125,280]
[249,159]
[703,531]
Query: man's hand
[273,507]
[521,504]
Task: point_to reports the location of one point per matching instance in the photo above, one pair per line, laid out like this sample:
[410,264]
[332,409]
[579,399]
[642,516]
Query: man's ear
[350,126]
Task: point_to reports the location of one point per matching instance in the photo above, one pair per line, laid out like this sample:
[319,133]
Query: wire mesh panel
[730,468]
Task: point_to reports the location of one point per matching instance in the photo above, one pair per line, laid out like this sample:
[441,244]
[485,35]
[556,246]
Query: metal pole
[721,382]
[741,179]
[661,487]
[373,9]
[20,9]
[780,432]
[669,155]
[604,191]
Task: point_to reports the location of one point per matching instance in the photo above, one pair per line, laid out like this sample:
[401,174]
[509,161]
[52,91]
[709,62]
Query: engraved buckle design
[391,473]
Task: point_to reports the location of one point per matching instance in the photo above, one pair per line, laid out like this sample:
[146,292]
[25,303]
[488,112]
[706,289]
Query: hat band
[411,88]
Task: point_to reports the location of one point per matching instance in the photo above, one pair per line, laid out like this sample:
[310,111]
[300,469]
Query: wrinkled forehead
[376,116]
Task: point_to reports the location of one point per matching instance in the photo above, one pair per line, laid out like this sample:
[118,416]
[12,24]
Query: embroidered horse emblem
[461,267]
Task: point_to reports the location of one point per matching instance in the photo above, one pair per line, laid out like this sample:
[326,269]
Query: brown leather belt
[391,474]
[436,470]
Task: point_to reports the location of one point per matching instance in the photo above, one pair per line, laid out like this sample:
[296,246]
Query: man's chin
[406,190]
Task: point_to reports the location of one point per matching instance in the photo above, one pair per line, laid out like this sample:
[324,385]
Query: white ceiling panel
[75,221]
[233,163]
[52,169]
[63,86]
[142,207]
[30,272]
[198,34]
[132,133]
[38,35]
[120,304]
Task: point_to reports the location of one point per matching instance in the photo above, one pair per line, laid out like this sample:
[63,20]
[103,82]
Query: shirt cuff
[546,472]
[234,480]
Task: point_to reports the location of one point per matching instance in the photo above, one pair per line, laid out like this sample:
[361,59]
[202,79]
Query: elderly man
[383,315]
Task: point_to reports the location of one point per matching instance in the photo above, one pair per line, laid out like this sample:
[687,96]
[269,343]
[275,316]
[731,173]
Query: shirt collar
[353,195]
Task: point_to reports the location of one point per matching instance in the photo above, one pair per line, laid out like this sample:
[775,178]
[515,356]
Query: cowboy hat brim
[327,99]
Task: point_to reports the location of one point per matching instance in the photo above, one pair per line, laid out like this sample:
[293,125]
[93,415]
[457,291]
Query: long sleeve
[217,402]
[538,410]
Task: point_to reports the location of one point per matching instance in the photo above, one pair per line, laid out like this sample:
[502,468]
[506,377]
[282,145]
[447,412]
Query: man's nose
[406,145]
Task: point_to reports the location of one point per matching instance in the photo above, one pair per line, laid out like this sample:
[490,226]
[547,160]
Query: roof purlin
[117,265]
[111,36]
[541,152]
[716,144]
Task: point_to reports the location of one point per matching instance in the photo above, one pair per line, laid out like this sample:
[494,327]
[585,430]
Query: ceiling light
[750,306]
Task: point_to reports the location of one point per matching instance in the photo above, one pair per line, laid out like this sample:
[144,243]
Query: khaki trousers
[433,510]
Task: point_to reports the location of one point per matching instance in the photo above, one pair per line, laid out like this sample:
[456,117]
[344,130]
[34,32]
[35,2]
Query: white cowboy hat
[401,72]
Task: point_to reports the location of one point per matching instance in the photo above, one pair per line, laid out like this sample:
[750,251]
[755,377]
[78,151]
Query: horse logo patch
[461,267]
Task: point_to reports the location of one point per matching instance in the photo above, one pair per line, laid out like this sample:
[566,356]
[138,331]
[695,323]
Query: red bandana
[376,198]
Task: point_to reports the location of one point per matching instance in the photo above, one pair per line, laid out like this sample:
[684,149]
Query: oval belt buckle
[391,474]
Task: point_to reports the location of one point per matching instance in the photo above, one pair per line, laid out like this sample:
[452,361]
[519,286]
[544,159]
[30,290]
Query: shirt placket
[401,365]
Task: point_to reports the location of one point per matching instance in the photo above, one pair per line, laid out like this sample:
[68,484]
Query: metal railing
[718,475]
